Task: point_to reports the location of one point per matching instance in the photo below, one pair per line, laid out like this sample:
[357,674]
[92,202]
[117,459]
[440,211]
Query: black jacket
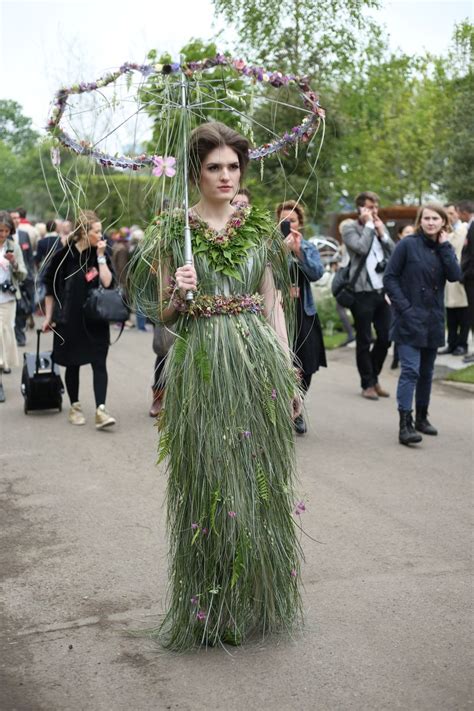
[27,250]
[467,256]
[414,281]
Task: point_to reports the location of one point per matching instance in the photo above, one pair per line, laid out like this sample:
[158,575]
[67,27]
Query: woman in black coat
[414,281]
[73,271]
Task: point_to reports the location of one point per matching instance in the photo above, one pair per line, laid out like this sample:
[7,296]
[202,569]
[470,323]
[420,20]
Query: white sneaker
[102,418]
[76,416]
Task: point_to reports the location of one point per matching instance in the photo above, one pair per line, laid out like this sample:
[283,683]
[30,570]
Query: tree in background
[457,174]
[315,37]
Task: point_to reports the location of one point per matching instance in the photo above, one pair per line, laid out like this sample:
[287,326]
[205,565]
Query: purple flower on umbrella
[300,508]
[164,165]
[274,394]
[194,526]
[232,514]
[246,434]
[293,573]
[205,531]
[194,600]
[201,615]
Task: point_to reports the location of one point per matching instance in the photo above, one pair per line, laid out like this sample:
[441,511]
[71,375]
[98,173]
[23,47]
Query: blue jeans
[417,365]
[141,321]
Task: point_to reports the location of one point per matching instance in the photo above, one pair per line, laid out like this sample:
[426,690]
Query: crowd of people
[234,362]
[365,242]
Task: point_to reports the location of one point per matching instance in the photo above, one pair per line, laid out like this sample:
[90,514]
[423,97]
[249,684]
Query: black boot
[407,434]
[422,424]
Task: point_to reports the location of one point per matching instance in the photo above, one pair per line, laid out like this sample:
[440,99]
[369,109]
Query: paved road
[387,587]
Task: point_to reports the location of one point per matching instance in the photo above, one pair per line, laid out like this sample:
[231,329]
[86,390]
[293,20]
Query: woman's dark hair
[83,224]
[51,226]
[435,207]
[291,206]
[206,138]
[5,219]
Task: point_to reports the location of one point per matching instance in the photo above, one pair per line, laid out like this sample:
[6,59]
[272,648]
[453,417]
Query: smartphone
[9,247]
[285,227]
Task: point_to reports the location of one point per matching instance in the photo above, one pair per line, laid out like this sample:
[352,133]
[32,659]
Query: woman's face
[292,217]
[4,233]
[95,234]
[431,222]
[220,175]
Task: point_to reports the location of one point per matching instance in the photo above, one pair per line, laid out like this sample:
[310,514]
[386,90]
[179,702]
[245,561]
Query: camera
[380,266]
[8,288]
[285,228]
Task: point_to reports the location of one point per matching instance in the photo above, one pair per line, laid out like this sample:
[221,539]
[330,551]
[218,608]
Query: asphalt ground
[387,578]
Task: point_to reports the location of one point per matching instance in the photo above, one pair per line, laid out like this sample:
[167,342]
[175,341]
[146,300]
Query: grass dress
[226,431]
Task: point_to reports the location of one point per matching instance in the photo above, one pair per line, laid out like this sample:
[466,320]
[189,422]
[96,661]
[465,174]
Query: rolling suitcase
[41,383]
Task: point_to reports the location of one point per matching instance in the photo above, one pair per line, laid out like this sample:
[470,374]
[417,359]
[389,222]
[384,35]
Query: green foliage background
[399,124]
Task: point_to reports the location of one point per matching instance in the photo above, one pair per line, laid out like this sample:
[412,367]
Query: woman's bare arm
[273,310]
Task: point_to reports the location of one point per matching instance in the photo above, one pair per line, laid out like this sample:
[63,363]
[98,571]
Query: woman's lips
[224,187]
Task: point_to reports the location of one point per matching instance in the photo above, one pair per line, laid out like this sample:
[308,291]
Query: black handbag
[342,286]
[106,305]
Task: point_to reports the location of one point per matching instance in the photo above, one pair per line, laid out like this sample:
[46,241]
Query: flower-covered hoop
[303,131]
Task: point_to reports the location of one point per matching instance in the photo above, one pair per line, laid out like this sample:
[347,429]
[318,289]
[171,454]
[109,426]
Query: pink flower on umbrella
[164,166]
[232,514]
[201,615]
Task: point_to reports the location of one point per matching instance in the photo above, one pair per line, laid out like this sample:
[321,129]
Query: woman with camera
[414,281]
[305,267]
[12,272]
[80,266]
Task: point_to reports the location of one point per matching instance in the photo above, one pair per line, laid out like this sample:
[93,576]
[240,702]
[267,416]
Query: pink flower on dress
[232,514]
[300,508]
[194,600]
[194,526]
[293,573]
[201,615]
[164,166]
[274,394]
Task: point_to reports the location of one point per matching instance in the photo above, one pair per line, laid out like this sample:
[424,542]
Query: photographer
[305,266]
[368,241]
[12,272]
[415,281]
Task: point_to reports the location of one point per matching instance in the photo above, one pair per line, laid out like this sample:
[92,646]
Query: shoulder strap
[361,264]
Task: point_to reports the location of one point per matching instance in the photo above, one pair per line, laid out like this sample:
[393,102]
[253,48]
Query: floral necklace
[224,235]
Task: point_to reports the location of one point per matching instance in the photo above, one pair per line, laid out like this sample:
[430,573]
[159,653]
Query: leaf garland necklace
[228,248]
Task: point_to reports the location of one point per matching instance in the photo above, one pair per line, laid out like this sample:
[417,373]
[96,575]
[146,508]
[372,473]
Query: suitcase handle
[38,359]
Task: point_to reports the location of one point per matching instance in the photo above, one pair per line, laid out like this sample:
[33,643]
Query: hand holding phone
[285,227]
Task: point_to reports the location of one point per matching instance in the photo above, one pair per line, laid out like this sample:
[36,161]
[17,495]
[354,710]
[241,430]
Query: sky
[45,44]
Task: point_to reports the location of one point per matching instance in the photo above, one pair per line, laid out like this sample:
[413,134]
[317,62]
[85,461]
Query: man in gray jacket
[368,239]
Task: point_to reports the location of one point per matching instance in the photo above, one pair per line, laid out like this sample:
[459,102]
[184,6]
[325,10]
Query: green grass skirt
[226,429]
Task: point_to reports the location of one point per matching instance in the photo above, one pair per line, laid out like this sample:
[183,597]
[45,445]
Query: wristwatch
[101,260]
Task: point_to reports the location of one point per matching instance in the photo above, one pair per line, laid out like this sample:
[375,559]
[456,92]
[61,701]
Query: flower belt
[206,305]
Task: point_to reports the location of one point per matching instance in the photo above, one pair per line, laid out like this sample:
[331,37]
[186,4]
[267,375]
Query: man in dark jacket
[25,305]
[466,213]
[48,244]
[368,241]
